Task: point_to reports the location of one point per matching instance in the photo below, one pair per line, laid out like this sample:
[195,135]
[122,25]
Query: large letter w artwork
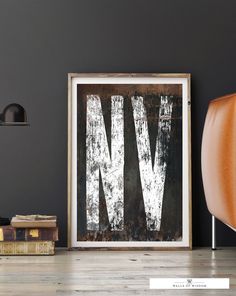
[111,165]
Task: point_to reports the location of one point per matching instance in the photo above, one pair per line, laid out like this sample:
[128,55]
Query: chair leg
[213,237]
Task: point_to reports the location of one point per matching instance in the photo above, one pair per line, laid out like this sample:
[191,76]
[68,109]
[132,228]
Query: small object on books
[27,248]
[34,221]
[4,221]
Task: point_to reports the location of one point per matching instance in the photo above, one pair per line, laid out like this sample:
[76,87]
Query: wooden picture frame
[131,198]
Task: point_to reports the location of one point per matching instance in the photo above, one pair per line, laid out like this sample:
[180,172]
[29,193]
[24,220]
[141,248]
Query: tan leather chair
[219,161]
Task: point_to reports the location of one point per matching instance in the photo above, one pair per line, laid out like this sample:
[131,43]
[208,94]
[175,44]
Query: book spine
[35,224]
[27,248]
[44,234]
[9,233]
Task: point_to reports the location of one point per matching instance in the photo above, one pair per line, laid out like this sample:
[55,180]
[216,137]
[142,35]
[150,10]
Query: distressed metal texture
[162,105]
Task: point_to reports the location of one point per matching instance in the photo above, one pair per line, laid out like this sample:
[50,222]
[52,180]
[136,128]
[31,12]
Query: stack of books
[29,235]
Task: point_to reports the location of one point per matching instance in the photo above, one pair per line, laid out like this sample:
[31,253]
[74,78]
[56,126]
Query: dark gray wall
[41,41]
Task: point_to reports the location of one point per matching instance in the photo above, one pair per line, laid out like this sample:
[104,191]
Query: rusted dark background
[134,213]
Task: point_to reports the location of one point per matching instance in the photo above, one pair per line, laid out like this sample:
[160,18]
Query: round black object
[14,113]
[4,221]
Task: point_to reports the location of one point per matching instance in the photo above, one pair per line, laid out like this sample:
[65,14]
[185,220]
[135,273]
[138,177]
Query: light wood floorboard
[103,273]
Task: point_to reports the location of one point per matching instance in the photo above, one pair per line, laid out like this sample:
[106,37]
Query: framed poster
[129,180]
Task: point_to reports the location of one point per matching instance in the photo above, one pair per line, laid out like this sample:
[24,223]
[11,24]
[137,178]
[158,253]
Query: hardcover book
[35,217]
[27,248]
[20,223]
[9,233]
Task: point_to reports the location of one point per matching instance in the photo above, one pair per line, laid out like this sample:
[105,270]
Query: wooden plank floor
[103,273]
